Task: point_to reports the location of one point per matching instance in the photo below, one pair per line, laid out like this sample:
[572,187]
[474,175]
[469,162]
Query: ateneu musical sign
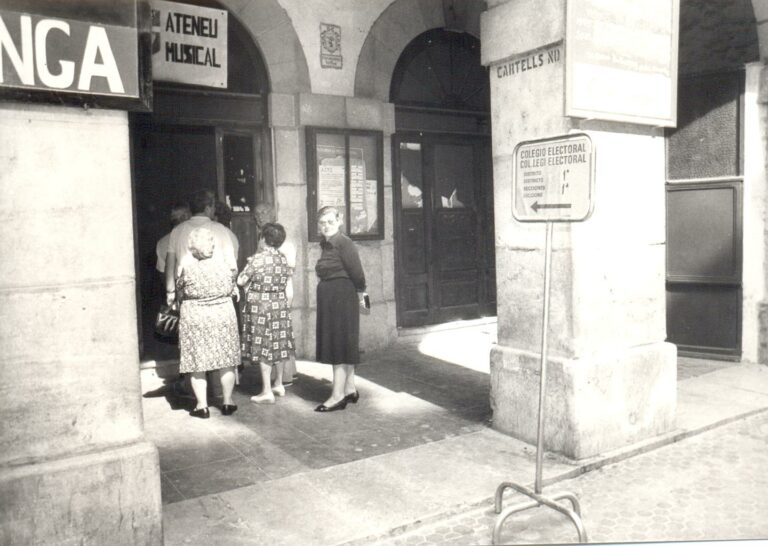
[67,55]
[553,179]
[189,44]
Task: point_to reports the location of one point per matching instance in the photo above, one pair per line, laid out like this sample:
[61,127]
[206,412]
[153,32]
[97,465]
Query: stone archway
[273,33]
[397,26]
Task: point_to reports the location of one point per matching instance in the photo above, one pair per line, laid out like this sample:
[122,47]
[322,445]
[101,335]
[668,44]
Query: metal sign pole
[553,180]
[543,380]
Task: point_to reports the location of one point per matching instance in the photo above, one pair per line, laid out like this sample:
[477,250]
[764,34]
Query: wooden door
[704,217]
[444,229]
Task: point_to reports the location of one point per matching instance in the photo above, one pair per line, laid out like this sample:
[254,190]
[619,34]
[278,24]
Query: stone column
[74,466]
[611,376]
[755,230]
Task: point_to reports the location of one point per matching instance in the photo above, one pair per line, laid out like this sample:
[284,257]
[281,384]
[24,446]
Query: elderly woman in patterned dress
[267,331]
[208,337]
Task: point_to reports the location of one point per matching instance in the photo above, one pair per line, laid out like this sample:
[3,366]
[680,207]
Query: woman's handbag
[167,321]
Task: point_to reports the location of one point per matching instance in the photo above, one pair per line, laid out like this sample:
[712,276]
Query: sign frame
[575,110]
[141,102]
[566,138]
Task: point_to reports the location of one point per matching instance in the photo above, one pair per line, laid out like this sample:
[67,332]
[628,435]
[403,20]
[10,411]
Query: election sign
[553,179]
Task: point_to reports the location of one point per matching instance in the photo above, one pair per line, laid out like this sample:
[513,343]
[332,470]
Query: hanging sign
[189,44]
[621,60]
[553,179]
[64,55]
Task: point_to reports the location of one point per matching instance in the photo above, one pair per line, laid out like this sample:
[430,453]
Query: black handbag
[167,321]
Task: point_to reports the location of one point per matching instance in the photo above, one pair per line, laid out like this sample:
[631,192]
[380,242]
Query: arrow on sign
[536,206]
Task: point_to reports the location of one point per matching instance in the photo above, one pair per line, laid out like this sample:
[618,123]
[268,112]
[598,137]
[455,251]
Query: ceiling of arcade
[715,35]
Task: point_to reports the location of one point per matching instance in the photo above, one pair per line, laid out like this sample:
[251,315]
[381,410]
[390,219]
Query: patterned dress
[208,338]
[267,330]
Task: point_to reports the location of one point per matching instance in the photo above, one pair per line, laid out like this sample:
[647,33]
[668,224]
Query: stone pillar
[755,230]
[74,466]
[611,376]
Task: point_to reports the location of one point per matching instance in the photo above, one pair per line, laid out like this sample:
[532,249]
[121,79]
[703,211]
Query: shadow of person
[173,392]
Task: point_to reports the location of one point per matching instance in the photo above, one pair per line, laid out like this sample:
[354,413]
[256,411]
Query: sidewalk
[415,449]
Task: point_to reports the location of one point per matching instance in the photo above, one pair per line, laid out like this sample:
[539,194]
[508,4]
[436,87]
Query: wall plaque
[621,61]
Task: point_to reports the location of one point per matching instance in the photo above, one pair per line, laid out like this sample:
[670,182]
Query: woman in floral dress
[267,331]
[208,338]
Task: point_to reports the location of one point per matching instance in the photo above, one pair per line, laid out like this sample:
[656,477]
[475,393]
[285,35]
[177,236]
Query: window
[345,170]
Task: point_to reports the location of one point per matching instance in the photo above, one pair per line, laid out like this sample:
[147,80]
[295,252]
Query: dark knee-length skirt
[338,322]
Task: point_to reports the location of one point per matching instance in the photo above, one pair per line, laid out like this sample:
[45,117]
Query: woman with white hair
[208,336]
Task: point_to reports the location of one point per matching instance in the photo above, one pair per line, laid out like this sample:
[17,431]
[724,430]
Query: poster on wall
[331,176]
[607,75]
[189,44]
[362,196]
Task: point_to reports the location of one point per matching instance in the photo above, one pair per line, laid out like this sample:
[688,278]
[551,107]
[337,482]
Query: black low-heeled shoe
[354,397]
[202,413]
[228,409]
[340,405]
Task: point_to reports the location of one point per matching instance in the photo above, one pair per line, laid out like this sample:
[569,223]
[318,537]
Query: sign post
[552,181]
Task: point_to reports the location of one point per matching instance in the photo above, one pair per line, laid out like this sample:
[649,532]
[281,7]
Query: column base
[762,342]
[106,497]
[593,405]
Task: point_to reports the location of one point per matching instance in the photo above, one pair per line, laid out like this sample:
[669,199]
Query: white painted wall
[355,19]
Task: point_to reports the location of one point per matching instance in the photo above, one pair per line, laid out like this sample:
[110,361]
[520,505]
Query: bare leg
[339,380]
[277,386]
[227,376]
[266,396]
[200,388]
[290,369]
[349,384]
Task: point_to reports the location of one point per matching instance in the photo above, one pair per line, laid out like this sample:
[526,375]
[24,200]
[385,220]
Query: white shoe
[278,391]
[263,399]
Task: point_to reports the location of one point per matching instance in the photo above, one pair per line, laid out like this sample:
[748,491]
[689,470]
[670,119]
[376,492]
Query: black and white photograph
[383,272]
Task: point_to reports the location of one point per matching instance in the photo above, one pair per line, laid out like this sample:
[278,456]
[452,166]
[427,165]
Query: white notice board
[189,44]
[553,179]
[621,60]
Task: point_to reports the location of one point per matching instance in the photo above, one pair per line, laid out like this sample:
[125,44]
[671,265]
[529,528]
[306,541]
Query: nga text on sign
[46,53]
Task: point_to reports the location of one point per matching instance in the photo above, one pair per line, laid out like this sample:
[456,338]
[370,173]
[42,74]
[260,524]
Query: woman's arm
[351,261]
[289,291]
[247,273]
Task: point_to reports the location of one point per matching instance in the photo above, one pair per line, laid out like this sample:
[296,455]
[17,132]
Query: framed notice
[345,171]
[621,61]
[189,44]
[553,179]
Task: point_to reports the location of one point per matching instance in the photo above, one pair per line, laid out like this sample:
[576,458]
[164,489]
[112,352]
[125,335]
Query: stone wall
[74,467]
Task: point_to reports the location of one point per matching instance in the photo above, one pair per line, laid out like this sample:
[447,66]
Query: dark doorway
[443,191]
[199,138]
[704,217]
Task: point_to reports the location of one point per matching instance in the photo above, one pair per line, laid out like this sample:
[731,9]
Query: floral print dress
[267,330]
[208,337]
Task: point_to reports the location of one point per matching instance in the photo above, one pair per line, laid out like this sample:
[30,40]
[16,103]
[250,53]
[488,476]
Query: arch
[400,24]
[273,33]
[441,69]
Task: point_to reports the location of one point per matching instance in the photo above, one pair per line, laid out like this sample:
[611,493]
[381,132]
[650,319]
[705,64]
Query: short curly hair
[201,243]
[274,234]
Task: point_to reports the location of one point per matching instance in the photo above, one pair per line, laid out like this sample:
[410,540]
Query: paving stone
[665,495]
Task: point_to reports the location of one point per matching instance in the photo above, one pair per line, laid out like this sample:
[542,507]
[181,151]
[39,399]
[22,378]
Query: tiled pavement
[416,449]
[709,487]
[409,395]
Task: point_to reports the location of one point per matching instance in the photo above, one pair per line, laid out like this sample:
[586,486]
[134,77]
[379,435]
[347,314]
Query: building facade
[406,114]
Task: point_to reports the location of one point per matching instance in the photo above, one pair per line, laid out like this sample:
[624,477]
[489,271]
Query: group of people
[202,278]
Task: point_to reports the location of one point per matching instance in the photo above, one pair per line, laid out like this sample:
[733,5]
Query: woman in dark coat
[340,294]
